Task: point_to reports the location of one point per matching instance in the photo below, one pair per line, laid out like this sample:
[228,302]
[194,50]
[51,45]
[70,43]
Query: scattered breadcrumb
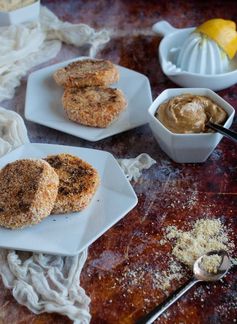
[204,236]
[136,277]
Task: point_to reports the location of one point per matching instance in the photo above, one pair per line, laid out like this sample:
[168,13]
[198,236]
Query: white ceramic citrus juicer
[199,57]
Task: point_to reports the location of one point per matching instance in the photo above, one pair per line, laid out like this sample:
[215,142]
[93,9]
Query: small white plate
[43,103]
[68,234]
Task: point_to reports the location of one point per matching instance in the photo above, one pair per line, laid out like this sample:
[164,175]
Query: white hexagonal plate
[68,234]
[43,103]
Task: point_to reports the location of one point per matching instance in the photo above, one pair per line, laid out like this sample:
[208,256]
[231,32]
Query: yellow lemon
[223,32]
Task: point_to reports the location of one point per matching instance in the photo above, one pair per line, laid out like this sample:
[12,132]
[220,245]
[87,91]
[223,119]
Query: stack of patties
[32,189]
[87,99]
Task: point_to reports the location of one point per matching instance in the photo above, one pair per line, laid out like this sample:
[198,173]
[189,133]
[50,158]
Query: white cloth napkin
[12,131]
[46,283]
[41,282]
[27,45]
[134,166]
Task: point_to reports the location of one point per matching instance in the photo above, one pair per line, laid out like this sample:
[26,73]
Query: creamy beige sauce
[189,113]
[9,5]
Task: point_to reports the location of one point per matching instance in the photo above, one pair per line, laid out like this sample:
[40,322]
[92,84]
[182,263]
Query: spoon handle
[158,310]
[224,131]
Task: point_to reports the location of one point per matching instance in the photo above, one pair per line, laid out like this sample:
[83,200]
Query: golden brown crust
[93,106]
[78,182]
[28,189]
[88,72]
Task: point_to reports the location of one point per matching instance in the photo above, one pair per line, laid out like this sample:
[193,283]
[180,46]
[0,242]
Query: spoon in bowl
[199,275]
[222,130]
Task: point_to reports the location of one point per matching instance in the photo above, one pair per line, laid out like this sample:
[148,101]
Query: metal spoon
[222,130]
[199,275]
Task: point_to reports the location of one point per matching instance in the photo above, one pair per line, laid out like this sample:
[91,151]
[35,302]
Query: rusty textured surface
[168,193]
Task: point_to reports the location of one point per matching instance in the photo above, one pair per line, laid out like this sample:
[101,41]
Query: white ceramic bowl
[187,148]
[21,15]
[174,38]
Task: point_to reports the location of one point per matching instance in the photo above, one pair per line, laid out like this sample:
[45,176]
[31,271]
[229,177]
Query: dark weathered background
[168,193]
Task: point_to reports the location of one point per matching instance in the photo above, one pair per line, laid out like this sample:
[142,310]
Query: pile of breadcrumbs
[206,235]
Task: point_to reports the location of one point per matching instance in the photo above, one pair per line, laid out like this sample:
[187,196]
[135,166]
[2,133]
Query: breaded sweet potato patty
[87,72]
[28,189]
[78,181]
[93,106]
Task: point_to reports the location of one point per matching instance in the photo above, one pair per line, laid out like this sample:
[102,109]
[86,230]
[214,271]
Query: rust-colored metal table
[119,274]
